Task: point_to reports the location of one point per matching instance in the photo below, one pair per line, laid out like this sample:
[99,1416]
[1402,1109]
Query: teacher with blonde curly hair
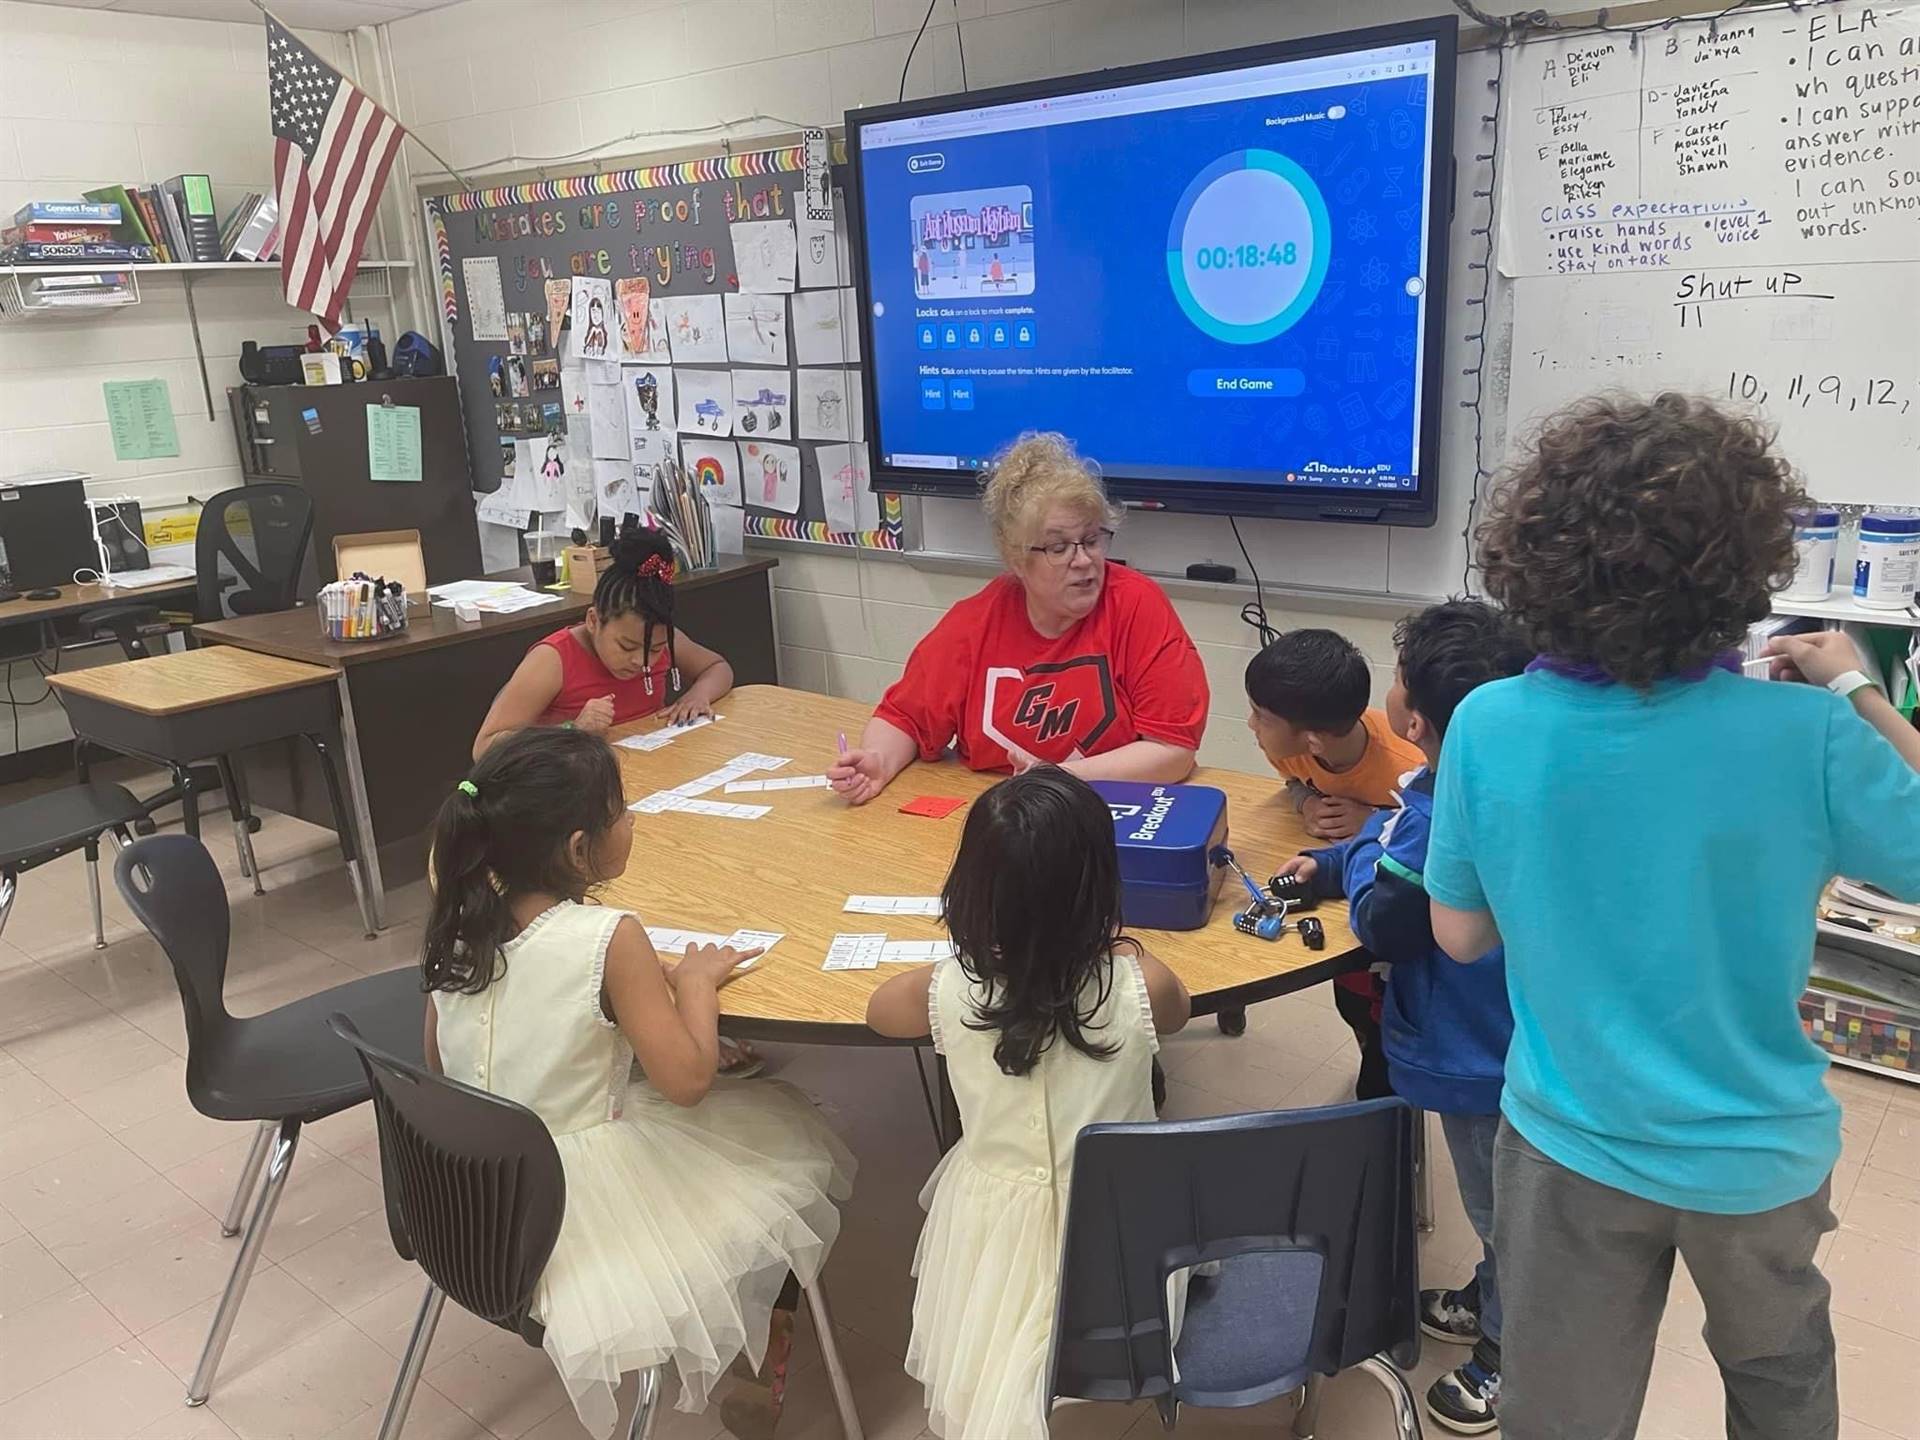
[1065,659]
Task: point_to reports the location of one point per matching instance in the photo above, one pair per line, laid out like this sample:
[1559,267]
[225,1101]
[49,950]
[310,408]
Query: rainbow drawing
[449,303]
[707,471]
[788,158]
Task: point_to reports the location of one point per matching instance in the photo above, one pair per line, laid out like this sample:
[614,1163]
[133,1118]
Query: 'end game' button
[1276,384]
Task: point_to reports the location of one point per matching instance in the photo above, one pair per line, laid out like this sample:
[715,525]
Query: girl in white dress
[1048,1021]
[688,1200]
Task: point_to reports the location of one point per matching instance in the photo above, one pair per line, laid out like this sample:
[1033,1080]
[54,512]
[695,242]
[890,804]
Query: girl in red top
[621,662]
[1062,660]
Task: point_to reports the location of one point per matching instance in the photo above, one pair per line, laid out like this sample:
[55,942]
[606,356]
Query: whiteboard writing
[1780,137]
[1827,355]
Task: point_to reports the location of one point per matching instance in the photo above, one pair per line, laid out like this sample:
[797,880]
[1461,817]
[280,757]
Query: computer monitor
[46,531]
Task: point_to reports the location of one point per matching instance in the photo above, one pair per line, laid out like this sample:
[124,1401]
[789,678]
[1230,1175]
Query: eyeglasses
[1060,552]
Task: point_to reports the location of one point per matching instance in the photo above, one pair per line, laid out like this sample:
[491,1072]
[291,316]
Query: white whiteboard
[1730,209]
[1830,354]
[1366,559]
[1771,137]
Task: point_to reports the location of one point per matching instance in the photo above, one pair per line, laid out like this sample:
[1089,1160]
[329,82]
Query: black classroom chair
[45,827]
[475,1195]
[247,555]
[1308,1215]
[281,1068]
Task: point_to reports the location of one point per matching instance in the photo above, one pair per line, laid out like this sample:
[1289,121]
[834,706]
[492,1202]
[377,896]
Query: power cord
[1540,20]
[924,19]
[1254,612]
[1478,370]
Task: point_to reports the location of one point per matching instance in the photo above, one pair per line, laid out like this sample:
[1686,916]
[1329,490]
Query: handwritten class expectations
[662,261]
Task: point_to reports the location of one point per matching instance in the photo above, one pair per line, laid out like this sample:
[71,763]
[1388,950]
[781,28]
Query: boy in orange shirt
[1308,694]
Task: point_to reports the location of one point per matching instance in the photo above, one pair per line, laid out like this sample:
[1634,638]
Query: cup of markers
[362,607]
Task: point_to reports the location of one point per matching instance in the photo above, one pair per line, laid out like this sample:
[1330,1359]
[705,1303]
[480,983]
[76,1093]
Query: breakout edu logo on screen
[973,244]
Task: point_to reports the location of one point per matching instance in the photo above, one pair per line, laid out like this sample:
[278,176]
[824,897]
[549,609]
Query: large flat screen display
[1221,277]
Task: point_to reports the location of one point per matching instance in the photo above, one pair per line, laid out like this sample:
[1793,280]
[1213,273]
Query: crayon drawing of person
[646,389]
[594,342]
[771,473]
[828,407]
[553,467]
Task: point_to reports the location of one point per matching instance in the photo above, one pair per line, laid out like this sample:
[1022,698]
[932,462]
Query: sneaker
[1465,1401]
[1452,1315]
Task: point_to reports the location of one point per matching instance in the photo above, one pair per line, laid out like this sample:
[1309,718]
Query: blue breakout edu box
[1164,833]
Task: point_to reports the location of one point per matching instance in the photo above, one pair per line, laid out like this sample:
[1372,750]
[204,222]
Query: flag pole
[405,130]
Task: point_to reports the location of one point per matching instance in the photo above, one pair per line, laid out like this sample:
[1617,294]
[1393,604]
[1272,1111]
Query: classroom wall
[89,98]
[86,99]
[600,76]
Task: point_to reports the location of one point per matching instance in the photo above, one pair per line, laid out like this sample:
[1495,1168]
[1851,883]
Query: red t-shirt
[584,678]
[984,678]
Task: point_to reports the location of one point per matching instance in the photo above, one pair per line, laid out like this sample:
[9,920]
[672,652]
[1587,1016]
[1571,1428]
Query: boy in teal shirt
[1660,1094]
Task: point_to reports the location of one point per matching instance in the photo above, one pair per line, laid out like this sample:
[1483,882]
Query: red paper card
[934,807]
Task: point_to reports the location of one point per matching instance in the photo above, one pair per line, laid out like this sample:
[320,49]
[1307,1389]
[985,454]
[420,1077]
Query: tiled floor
[111,1257]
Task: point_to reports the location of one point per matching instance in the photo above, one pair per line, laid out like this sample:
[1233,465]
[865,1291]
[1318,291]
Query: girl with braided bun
[624,660]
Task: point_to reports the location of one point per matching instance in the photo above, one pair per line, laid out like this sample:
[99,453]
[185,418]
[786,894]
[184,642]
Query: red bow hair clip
[655,565]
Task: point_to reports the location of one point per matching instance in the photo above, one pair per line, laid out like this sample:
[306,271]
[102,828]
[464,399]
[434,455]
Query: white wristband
[1845,685]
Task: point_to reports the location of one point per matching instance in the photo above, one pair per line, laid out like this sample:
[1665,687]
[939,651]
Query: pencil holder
[362,607]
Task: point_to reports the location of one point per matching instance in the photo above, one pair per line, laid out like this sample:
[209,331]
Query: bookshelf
[147,268]
[18,305]
[1842,607]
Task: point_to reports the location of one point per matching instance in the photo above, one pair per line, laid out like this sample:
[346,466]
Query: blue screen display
[1218,278]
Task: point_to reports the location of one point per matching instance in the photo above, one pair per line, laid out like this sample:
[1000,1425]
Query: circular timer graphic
[1247,247]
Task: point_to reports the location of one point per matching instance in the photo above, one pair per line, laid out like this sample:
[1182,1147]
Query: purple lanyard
[1588,673]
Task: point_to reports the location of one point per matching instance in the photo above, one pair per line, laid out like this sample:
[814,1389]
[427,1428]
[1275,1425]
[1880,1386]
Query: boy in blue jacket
[1445,1026]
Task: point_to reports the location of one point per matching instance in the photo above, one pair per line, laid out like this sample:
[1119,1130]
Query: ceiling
[302,14]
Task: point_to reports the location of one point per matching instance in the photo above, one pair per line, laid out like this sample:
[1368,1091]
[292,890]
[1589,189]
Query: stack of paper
[495,597]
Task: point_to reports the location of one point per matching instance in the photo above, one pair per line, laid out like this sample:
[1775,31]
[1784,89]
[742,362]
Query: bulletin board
[699,310]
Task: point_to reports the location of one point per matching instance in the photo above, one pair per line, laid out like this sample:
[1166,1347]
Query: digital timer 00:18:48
[1221,257]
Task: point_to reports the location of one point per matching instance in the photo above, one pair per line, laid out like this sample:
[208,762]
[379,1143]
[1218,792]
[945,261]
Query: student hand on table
[1334,817]
[689,707]
[1818,659]
[1305,866]
[716,965]
[596,716]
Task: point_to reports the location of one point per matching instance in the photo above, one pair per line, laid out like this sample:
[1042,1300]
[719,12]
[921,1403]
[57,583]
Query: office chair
[476,1194]
[45,827]
[247,552]
[1308,1215]
[281,1068]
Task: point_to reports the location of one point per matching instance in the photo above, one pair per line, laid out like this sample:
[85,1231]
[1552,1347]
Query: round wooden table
[793,869]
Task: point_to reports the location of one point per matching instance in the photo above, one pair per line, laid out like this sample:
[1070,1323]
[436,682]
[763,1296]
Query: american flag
[332,148]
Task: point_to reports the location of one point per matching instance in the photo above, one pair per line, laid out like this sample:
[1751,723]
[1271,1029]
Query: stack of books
[60,232]
[173,223]
[251,230]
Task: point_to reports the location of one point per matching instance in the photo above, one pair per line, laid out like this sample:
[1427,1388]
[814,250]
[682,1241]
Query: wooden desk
[76,598]
[411,705]
[203,704]
[190,680]
[792,870]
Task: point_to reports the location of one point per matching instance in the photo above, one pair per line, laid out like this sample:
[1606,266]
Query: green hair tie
[469,789]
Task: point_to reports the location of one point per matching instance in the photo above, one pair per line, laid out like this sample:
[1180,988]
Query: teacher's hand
[858,775]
